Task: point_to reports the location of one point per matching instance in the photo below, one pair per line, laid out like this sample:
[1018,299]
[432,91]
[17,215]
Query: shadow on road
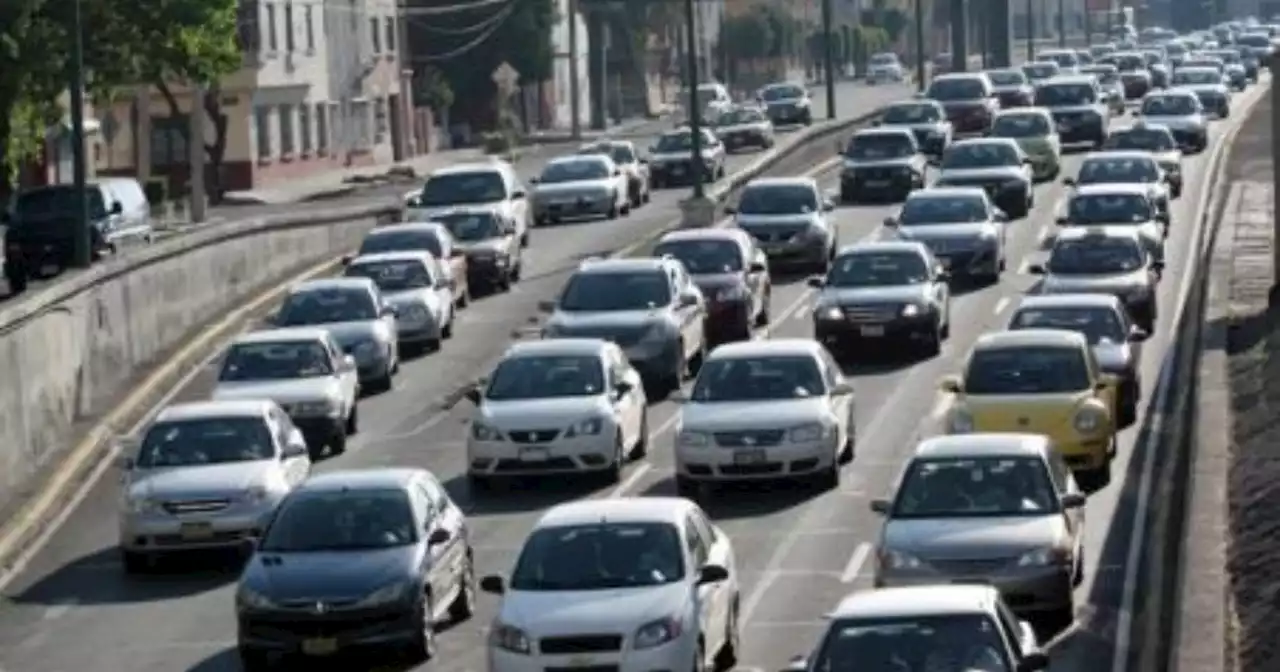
[99,578]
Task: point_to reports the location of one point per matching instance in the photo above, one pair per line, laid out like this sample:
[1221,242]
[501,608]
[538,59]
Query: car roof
[766,348]
[1067,79]
[1040,63]
[726,234]
[605,265]
[1118,231]
[1024,111]
[202,410]
[556,347]
[1171,93]
[895,131]
[492,165]
[790,181]
[400,255]
[671,510]
[1112,188]
[340,282]
[873,246]
[405,227]
[578,158]
[959,75]
[1080,300]
[990,444]
[1139,154]
[382,478]
[1021,338]
[947,192]
[282,334]
[984,141]
[912,601]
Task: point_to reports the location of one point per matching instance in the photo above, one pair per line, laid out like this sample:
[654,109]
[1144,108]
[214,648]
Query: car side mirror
[891,222]
[492,584]
[880,506]
[1162,217]
[688,300]
[617,173]
[828,206]
[547,306]
[817,282]
[951,384]
[348,363]
[644,160]
[757,267]
[412,202]
[390,311]
[1069,181]
[518,194]
[296,446]
[623,388]
[125,463]
[248,546]
[1062,221]
[1105,381]
[1073,500]
[1138,335]
[1157,266]
[1002,216]
[943,274]
[346,259]
[117,208]
[730,209]
[1033,662]
[1036,269]
[841,389]
[438,536]
[712,574]
[678,397]
[472,395]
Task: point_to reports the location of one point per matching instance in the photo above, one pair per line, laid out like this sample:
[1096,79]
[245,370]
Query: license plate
[872,331]
[534,455]
[877,184]
[748,457]
[677,170]
[582,661]
[320,647]
[195,531]
[49,269]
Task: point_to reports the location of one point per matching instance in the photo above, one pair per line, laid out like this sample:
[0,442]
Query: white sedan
[628,584]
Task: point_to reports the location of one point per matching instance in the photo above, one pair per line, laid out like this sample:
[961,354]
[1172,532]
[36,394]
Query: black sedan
[733,275]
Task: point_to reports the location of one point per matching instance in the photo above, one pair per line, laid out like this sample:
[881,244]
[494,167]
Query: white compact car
[627,584]
[885,67]
[580,186]
[417,288]
[573,405]
[765,410]
[302,369]
[493,183]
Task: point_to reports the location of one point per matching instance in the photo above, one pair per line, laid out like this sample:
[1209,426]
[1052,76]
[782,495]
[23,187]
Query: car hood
[973,538]
[422,295]
[1207,89]
[211,481]
[930,126]
[740,128]
[570,188]
[1114,357]
[736,416]
[288,391]
[950,105]
[993,173]
[751,222]
[554,413]
[328,576]
[861,296]
[572,612]
[1106,284]
[1011,88]
[603,321]
[896,162]
[425,213]
[1180,122]
[660,157]
[930,232]
[349,334]
[486,245]
[1074,109]
[1036,145]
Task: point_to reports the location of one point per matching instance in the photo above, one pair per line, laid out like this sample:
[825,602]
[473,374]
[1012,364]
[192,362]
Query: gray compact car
[1002,509]
[1182,113]
[1102,318]
[882,164]
[487,237]
[671,159]
[788,217]
[580,186]
[787,103]
[354,312]
[960,225]
[1209,85]
[1078,106]
[415,286]
[636,169]
[741,126]
[1108,260]
[998,166]
[926,119]
[1109,82]
[1012,87]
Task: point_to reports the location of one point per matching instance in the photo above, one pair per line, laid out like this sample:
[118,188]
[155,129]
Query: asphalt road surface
[72,609]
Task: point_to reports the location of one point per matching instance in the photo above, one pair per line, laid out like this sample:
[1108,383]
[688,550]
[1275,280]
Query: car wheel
[613,474]
[17,279]
[136,563]
[695,364]
[932,345]
[384,383]
[353,420]
[422,646]
[686,487]
[524,239]
[464,605]
[253,659]
[613,211]
[829,479]
[646,195]
[727,656]
[762,320]
[642,442]
[337,446]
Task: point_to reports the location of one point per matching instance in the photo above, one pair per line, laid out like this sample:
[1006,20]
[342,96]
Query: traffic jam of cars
[384,558]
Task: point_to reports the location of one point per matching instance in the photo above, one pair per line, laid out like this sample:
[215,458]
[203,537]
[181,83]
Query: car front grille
[570,644]
[179,508]
[774,235]
[754,438]
[533,435]
[870,313]
[969,566]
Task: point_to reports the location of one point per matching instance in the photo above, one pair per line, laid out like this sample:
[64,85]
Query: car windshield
[782,92]
[1021,125]
[1153,57]
[762,378]
[980,155]
[279,360]
[1007,77]
[591,292]
[1228,57]
[1175,49]
[959,88]
[778,199]
[481,186]
[401,241]
[393,275]
[1041,70]
[575,169]
[1130,62]
[975,487]
[1106,76]
[1194,77]
[1095,257]
[1063,59]
[600,556]
[1098,324]
[704,257]
[923,211]
[1143,139]
[470,227]
[541,377]
[740,115]
[326,306]
[1109,209]
[911,114]
[204,441]
[873,146]
[55,201]
[878,269]
[344,519]
[1026,369]
[1170,106]
[620,153]
[674,142]
[1054,95]
[1256,41]
[1115,170]
[884,59]
[951,642]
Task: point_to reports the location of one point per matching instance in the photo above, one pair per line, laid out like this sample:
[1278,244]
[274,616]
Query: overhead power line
[407,10]
[478,40]
[431,27]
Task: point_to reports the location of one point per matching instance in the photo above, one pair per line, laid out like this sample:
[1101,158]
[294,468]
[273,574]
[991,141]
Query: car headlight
[828,313]
[508,638]
[691,439]
[385,595]
[807,433]
[1090,420]
[1012,185]
[247,598]
[910,310]
[1044,557]
[413,312]
[483,432]
[736,293]
[588,427]
[899,560]
[552,331]
[143,505]
[960,421]
[657,633]
[255,494]
[367,350]
[311,409]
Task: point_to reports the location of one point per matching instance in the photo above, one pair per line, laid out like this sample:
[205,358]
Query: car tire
[383,383]
[613,212]
[613,475]
[422,646]
[686,487]
[829,478]
[762,320]
[727,656]
[464,605]
[642,443]
[136,563]
[932,346]
[253,659]
[524,239]
[646,195]
[17,279]
[337,446]
[353,420]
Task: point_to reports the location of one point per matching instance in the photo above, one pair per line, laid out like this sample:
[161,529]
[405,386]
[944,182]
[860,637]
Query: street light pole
[695,112]
[1062,24]
[828,59]
[1031,31]
[83,252]
[920,74]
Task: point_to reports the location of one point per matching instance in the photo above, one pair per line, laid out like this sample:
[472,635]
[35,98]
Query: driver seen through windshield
[878,269]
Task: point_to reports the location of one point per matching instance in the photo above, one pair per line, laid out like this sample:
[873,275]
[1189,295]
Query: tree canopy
[763,32]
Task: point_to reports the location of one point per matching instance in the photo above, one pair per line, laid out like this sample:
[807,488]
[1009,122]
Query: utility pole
[920,73]
[575,72]
[1274,298]
[828,58]
[1062,24]
[695,112]
[1031,31]
[1088,27]
[195,150]
[83,248]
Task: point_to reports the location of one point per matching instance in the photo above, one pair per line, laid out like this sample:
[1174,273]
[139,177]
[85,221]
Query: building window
[289,44]
[286,130]
[309,17]
[375,34]
[248,27]
[169,141]
[380,119]
[336,140]
[304,128]
[360,124]
[262,128]
[391,34]
[322,127]
[273,36]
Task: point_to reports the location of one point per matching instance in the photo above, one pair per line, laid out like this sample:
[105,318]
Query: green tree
[749,35]
[639,22]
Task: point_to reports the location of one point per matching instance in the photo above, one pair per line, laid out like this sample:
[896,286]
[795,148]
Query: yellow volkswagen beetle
[1041,381]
